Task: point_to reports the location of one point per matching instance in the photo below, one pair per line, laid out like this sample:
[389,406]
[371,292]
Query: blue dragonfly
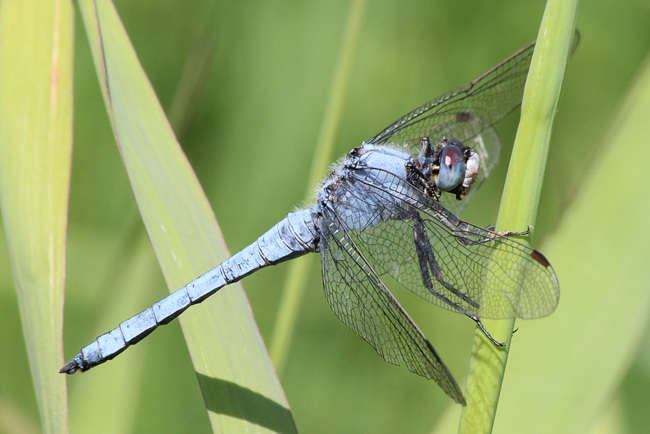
[390,207]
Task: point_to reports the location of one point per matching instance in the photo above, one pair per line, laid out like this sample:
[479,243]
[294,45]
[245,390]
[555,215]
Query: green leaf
[236,377]
[296,280]
[520,198]
[566,366]
[36,50]
[116,390]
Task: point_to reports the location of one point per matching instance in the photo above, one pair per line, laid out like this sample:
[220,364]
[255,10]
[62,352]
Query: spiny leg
[484,330]
[509,233]
[490,235]
[415,175]
[427,261]
[429,265]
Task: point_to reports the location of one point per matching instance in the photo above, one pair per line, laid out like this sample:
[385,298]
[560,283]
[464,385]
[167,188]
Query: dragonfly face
[452,167]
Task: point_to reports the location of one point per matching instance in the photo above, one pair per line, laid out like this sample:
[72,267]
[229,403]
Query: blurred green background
[249,132]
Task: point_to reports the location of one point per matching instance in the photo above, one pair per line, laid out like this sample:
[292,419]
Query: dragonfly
[389,208]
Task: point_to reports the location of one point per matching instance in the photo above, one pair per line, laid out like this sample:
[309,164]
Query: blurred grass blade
[568,365]
[14,420]
[128,277]
[612,420]
[521,197]
[36,50]
[236,377]
[195,72]
[299,268]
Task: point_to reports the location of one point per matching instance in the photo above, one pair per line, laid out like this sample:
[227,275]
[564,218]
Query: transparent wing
[448,262]
[361,301]
[465,111]
[467,114]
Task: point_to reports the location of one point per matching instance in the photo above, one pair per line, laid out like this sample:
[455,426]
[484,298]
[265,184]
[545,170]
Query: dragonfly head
[452,166]
[451,161]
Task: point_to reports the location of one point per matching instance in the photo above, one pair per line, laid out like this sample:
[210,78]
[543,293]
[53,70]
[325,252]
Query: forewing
[465,111]
[471,270]
[361,301]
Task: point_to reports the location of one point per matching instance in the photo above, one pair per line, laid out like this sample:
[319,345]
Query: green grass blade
[237,380]
[195,72]
[36,51]
[521,197]
[299,268]
[568,365]
[132,271]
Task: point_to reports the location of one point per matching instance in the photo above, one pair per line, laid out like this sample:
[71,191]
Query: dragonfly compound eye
[452,168]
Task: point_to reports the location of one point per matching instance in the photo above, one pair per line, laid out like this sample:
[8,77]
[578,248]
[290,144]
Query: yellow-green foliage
[246,85]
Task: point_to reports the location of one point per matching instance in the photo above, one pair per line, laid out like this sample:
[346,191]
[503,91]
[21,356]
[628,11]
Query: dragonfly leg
[488,234]
[484,330]
[427,261]
[426,148]
[429,266]
[420,180]
[508,233]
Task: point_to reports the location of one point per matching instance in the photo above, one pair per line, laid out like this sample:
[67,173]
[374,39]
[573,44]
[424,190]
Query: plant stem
[299,268]
[520,199]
